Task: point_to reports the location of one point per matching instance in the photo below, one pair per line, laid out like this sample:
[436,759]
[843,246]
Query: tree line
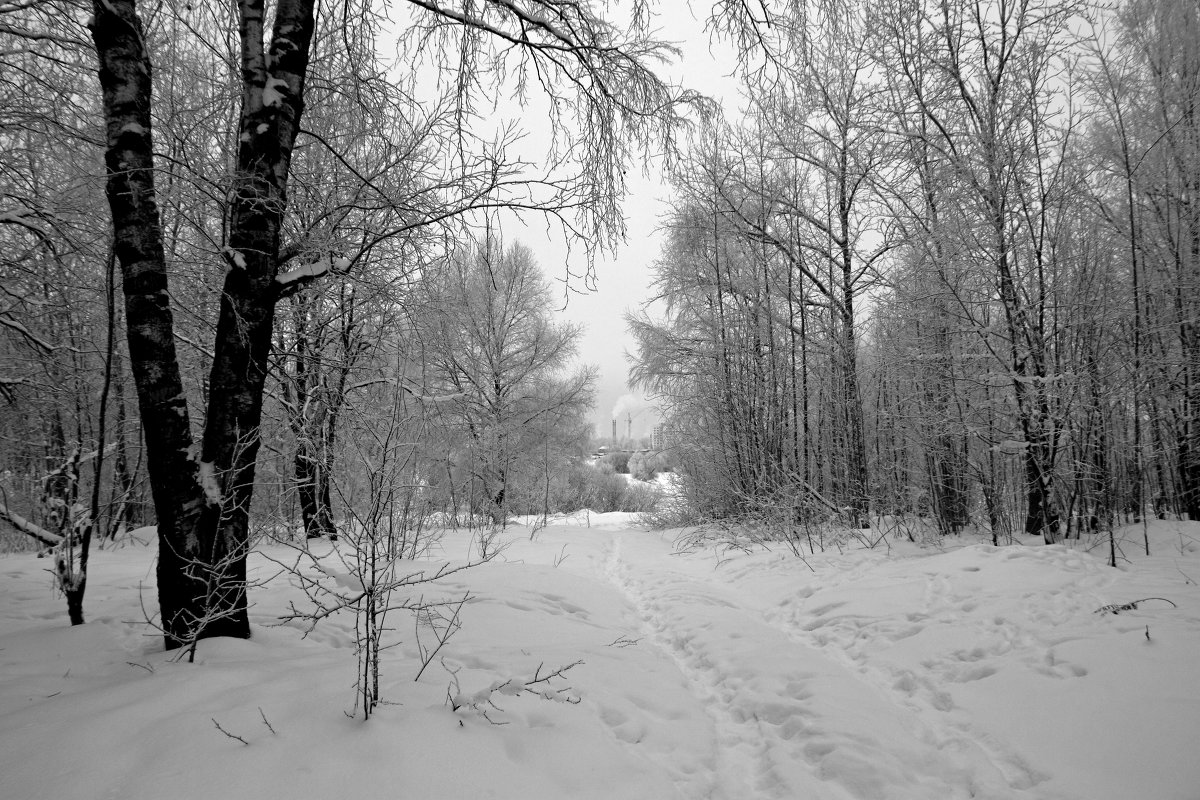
[944,267]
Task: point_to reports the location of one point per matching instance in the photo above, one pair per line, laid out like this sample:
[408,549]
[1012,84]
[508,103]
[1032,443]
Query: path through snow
[974,672]
[789,720]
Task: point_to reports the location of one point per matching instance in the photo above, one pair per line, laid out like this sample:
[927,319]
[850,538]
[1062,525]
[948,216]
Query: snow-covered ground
[965,672]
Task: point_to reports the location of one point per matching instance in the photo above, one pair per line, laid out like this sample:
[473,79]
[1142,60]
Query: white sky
[622,280]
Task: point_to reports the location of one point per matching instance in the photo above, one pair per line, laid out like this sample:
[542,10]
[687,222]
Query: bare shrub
[619,461]
[372,570]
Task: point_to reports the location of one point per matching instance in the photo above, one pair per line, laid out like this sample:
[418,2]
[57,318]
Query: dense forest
[253,278]
[945,265]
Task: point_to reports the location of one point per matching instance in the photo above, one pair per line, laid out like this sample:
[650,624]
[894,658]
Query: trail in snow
[790,720]
[862,640]
[963,633]
[743,767]
[915,674]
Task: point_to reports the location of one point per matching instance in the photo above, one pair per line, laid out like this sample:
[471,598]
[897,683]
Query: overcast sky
[622,280]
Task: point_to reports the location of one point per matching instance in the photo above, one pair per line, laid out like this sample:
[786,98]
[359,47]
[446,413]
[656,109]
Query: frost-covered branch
[539,685]
[28,528]
[291,281]
[27,335]
[1117,608]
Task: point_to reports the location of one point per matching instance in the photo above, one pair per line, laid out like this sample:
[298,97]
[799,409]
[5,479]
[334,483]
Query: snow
[210,483]
[14,217]
[274,92]
[314,269]
[236,258]
[968,671]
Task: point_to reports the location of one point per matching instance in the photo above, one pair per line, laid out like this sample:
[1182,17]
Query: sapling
[371,571]
[490,542]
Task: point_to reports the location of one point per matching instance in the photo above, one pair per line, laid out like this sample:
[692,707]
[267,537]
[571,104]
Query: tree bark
[203,531]
[312,483]
[272,104]
[178,501]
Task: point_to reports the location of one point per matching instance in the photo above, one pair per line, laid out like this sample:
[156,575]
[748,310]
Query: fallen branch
[481,701]
[623,641]
[28,528]
[1117,608]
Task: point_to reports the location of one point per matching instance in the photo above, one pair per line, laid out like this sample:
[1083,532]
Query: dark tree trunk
[1041,516]
[1028,376]
[857,483]
[1189,436]
[203,532]
[324,505]
[75,600]
[123,479]
[273,88]
[858,480]
[125,80]
[312,483]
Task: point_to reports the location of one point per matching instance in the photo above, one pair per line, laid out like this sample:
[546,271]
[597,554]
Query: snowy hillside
[966,672]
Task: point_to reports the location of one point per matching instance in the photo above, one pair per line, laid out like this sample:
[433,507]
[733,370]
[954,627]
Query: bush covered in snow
[585,486]
[618,461]
[644,465]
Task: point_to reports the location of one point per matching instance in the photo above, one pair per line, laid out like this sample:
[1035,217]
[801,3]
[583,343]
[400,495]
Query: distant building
[665,436]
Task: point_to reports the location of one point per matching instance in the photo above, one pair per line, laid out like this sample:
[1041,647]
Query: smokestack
[614,430]
[629,428]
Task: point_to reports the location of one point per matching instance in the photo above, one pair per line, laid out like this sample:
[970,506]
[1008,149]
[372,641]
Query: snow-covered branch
[296,278]
[28,335]
[539,685]
[25,526]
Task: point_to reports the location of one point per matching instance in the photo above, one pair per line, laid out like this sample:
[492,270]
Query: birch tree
[202,491]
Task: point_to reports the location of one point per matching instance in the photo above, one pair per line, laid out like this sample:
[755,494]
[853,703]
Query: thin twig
[227,733]
[623,641]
